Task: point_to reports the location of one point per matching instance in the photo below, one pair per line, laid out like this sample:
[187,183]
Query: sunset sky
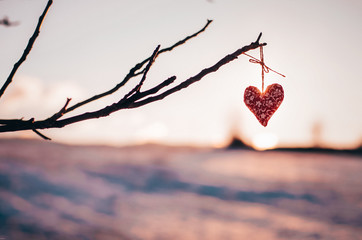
[86,47]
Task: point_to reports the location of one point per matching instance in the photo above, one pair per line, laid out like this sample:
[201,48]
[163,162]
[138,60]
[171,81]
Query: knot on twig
[264,67]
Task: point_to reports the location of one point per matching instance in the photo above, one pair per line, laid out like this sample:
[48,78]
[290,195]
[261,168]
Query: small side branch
[61,112]
[258,39]
[137,88]
[27,49]
[41,135]
[156,88]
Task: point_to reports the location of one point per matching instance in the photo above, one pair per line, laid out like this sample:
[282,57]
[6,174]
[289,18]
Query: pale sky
[87,46]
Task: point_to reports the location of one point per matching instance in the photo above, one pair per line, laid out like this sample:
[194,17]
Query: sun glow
[264,141]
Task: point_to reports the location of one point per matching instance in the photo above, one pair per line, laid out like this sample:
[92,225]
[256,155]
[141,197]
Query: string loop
[264,68]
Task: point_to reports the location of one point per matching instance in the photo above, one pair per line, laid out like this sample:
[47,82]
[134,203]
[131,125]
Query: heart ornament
[264,104]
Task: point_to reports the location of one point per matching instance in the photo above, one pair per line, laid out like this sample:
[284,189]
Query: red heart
[264,105]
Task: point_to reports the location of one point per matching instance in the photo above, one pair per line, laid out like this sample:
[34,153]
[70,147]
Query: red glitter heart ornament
[263,105]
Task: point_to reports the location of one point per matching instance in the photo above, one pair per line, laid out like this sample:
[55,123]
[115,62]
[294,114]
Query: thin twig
[147,68]
[137,88]
[187,38]
[156,88]
[61,112]
[41,135]
[27,49]
[258,39]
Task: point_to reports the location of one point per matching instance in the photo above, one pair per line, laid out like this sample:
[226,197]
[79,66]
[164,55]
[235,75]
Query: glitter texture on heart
[263,105]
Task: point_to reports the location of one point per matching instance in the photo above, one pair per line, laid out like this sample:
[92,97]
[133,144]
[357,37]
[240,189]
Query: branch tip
[61,112]
[258,39]
[64,108]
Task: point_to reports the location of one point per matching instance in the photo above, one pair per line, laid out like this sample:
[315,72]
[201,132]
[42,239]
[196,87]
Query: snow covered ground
[55,191]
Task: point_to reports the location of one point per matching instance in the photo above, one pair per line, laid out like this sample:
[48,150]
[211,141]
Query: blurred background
[87,47]
[189,166]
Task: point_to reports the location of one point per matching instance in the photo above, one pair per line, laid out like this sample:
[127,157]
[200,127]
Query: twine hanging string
[264,68]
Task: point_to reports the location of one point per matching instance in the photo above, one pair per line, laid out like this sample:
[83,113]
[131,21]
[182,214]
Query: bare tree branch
[132,100]
[27,49]
[133,71]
